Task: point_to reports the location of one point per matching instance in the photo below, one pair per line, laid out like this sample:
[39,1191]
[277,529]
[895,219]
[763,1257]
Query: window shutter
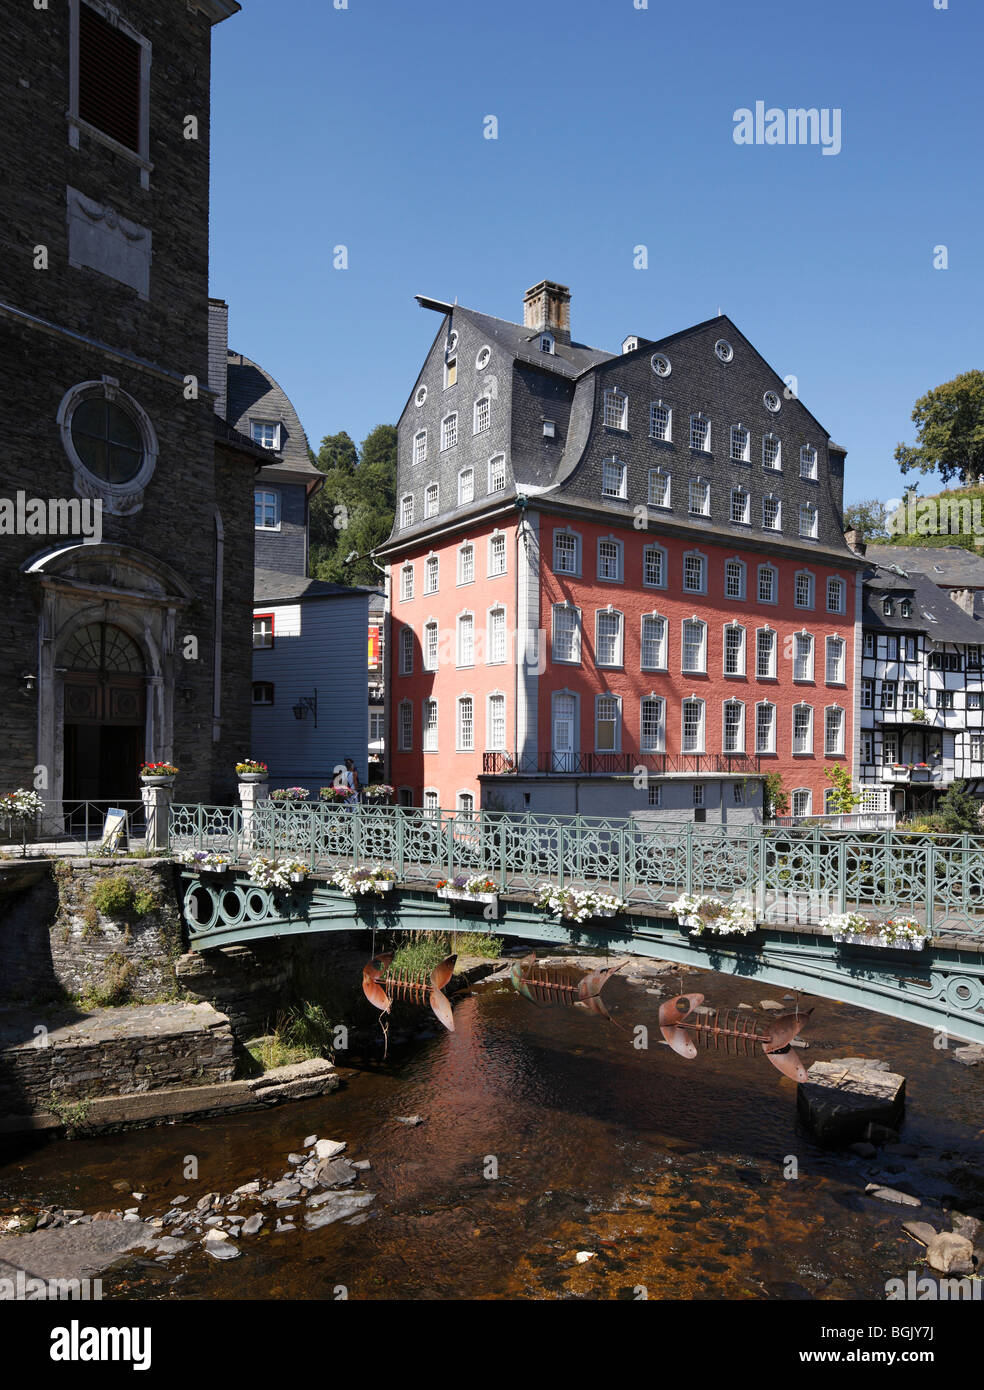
[109,79]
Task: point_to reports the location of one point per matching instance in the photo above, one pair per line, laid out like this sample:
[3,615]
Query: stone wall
[250,984]
[115,1052]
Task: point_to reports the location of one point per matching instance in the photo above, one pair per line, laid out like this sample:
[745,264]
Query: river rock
[221,1249]
[168,1245]
[176,1201]
[280,1191]
[583,1256]
[920,1230]
[863,1149]
[950,1253]
[296,1159]
[891,1194]
[337,1172]
[328,1148]
[247,1189]
[282,1226]
[362,1164]
[310,1141]
[970,1226]
[120,1185]
[252,1224]
[333,1206]
[409,1119]
[842,1097]
[138,1196]
[971,1055]
[772,1005]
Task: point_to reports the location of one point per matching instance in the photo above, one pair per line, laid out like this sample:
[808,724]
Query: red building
[619,584]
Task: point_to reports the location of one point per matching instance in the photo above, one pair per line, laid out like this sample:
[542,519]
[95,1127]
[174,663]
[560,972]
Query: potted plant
[249,770]
[290,794]
[335,796]
[921,772]
[461,888]
[896,933]
[356,883]
[702,912]
[158,774]
[917,715]
[276,873]
[577,904]
[378,792]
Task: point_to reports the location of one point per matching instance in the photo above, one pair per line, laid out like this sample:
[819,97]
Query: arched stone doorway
[104,714]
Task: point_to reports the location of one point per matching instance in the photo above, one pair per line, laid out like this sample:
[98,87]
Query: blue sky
[363,127]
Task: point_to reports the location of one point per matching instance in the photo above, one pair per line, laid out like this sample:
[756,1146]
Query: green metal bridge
[795,877]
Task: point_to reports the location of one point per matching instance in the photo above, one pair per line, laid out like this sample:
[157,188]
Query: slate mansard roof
[254,394]
[950,566]
[933,612]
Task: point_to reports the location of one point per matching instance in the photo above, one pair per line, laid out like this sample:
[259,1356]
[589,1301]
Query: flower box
[704,913]
[577,904]
[157,781]
[298,878]
[461,895]
[895,934]
[850,938]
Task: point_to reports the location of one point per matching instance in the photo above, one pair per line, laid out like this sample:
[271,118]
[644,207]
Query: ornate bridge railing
[793,874]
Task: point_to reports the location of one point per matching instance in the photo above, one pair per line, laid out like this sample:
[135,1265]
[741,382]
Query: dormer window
[905,608]
[546,342]
[266,433]
[888,607]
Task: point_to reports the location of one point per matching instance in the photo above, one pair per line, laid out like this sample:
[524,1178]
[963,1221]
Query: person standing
[354,785]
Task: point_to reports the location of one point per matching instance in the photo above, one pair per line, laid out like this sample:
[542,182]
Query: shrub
[113,897]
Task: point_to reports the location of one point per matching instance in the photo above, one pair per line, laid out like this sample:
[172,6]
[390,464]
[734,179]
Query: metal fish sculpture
[381,986]
[541,985]
[739,1031]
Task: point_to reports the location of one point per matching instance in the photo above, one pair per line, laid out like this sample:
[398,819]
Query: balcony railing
[554,763]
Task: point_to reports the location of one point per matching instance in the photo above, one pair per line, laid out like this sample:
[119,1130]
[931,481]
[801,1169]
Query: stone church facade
[127,639]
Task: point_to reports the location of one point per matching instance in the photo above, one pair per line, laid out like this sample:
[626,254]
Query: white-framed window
[566,645]
[616,410]
[482,358]
[610,561]
[977,748]
[734,579]
[406,651]
[482,415]
[654,567]
[699,497]
[741,506]
[660,421]
[867,748]
[765,727]
[910,695]
[465,803]
[808,520]
[652,724]
[406,510]
[835,596]
[613,478]
[263,637]
[497,473]
[692,726]
[801,802]
[695,572]
[734,650]
[495,723]
[497,636]
[808,462]
[693,656]
[546,342]
[698,792]
[266,433]
[653,647]
[608,723]
[740,444]
[889,749]
[660,364]
[734,727]
[263,692]
[835,662]
[767,584]
[654,794]
[772,402]
[466,486]
[430,726]
[802,728]
[466,724]
[803,589]
[266,509]
[420,446]
[497,554]
[420,397]
[772,452]
[566,552]
[449,431]
[431,503]
[466,563]
[765,654]
[466,639]
[803,656]
[724,350]
[869,644]
[867,693]
[431,800]
[700,433]
[450,371]
[833,731]
[406,726]
[659,488]
[608,637]
[771,512]
[432,573]
[406,582]
[431,640]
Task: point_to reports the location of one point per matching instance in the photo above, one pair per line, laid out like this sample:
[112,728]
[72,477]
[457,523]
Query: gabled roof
[567,359]
[270,586]
[933,611]
[950,566]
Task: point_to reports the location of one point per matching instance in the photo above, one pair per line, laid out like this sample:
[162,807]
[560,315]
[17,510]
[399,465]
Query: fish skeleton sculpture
[381,986]
[536,983]
[739,1031]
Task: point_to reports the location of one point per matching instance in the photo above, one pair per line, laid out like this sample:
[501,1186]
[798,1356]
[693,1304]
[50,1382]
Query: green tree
[354,510]
[950,431]
[842,799]
[958,811]
[869,518]
[776,797]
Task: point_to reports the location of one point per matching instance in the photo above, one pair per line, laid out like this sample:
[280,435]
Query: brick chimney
[547,309]
[855,542]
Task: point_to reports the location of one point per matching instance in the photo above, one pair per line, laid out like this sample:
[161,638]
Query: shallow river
[671,1171]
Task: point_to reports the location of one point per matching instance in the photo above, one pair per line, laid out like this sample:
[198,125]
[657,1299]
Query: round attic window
[661,364]
[421,395]
[772,402]
[724,350]
[483,359]
[110,442]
